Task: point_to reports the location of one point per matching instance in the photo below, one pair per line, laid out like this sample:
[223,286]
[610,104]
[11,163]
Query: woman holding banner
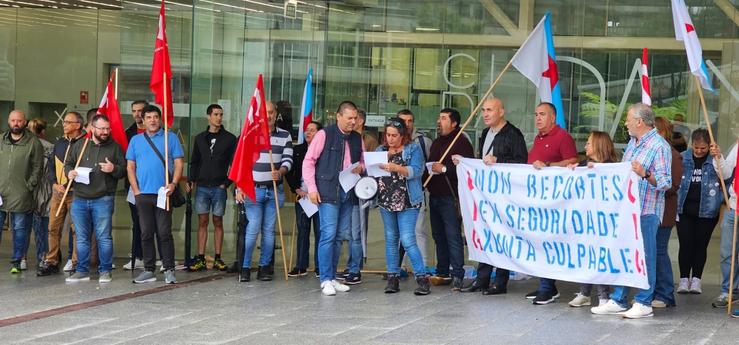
[598,149]
[399,197]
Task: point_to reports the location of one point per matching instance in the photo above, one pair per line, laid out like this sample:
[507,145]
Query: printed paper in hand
[83,175]
[348,179]
[131,198]
[308,206]
[428,167]
[372,161]
[162,198]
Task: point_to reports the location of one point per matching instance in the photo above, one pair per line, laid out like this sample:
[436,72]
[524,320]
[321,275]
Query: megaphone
[366,188]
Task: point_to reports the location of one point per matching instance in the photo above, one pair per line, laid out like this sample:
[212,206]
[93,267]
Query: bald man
[24,154]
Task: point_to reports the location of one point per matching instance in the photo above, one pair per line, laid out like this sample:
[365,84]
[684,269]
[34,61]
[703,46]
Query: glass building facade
[383,55]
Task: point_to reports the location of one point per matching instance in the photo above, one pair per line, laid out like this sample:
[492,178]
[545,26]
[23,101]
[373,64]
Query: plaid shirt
[655,155]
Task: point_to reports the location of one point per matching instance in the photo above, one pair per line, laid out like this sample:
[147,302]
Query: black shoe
[393,284]
[456,284]
[47,270]
[343,275]
[318,274]
[297,272]
[532,294]
[494,290]
[424,286]
[546,297]
[263,274]
[475,286]
[353,279]
[245,275]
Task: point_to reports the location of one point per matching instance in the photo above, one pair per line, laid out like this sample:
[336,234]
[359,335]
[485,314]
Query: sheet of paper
[348,179]
[308,207]
[372,161]
[131,198]
[83,175]
[428,167]
[1,201]
[162,198]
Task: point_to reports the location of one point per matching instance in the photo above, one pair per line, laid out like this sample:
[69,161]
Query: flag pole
[115,94]
[472,115]
[733,258]
[277,208]
[166,144]
[70,182]
[710,134]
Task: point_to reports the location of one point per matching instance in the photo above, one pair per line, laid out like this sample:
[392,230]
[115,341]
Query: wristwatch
[647,175]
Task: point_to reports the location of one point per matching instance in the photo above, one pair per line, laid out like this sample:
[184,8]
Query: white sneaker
[24,265]
[580,300]
[138,264]
[609,308]
[638,311]
[658,304]
[339,286]
[684,286]
[69,266]
[695,286]
[327,288]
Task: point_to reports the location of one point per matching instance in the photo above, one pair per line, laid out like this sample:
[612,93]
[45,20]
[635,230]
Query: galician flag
[646,93]
[306,106]
[685,31]
[109,107]
[537,61]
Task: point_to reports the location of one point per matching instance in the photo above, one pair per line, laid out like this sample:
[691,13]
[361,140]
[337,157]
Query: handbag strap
[156,150]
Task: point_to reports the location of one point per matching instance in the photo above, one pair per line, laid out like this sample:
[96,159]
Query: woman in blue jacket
[699,201]
[399,197]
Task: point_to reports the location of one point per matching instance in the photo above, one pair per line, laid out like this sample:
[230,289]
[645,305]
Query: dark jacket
[131,131]
[669,217]
[438,186]
[22,165]
[56,175]
[296,173]
[330,163]
[209,167]
[101,184]
[509,145]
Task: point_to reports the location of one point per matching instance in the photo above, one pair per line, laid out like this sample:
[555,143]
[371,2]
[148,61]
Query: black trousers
[154,220]
[693,234]
[483,276]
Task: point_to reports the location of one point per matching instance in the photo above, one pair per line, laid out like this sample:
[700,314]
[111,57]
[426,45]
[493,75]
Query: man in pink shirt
[332,150]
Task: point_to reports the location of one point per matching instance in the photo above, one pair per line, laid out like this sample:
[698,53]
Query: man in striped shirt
[651,157]
[262,214]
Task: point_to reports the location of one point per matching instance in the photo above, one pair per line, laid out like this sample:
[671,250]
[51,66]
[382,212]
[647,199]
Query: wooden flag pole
[166,143]
[115,85]
[70,182]
[710,134]
[277,208]
[733,259]
[472,115]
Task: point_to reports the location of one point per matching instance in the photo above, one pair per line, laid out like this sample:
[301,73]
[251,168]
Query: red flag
[109,107]
[161,67]
[254,138]
[646,93]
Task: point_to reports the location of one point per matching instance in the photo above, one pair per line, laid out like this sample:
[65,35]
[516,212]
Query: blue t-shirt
[149,168]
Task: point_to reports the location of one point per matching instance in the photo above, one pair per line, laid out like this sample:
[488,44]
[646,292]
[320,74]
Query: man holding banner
[650,157]
[501,142]
[553,146]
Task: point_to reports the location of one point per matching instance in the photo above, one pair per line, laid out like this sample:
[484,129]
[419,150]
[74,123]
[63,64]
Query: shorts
[210,200]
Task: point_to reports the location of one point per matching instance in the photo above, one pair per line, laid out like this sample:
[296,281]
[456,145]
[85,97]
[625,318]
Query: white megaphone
[366,188]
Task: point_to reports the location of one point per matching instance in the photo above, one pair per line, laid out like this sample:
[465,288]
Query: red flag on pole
[160,68]
[109,107]
[254,138]
[646,93]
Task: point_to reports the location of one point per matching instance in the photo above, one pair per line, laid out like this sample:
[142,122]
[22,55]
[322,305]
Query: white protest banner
[577,225]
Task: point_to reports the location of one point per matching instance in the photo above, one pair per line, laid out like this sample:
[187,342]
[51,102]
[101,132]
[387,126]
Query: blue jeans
[262,216]
[303,224]
[335,217]
[21,227]
[727,236]
[663,287]
[447,233]
[41,231]
[401,226]
[354,236]
[95,215]
[210,200]
[649,225]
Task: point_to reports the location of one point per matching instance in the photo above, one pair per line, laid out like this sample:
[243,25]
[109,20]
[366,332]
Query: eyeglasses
[65,122]
[104,129]
[393,123]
